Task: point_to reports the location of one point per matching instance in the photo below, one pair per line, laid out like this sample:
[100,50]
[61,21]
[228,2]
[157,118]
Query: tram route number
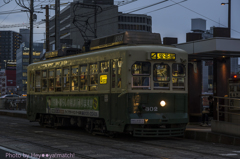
[152,109]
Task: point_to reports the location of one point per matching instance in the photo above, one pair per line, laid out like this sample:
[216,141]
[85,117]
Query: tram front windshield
[159,76]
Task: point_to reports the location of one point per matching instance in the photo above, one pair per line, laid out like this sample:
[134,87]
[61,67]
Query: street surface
[31,140]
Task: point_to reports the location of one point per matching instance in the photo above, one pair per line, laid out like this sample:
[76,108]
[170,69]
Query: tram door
[115,109]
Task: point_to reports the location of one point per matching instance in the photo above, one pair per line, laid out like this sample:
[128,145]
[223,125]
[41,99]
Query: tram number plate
[153,109]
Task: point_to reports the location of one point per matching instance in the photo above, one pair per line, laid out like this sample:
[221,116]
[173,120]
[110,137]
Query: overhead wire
[148,6]
[165,7]
[203,16]
[7,15]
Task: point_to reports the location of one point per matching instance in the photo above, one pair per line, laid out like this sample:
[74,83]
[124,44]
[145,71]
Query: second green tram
[134,88]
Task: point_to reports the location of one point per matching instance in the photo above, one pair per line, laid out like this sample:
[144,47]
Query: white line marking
[15,152]
[229,154]
[236,151]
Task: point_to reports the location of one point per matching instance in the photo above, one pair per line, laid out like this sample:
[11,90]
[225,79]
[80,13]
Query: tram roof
[127,37]
[114,51]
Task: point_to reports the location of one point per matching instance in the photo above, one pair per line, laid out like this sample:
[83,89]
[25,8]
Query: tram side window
[93,77]
[119,75]
[104,66]
[66,78]
[51,80]
[141,72]
[83,78]
[58,86]
[113,72]
[32,81]
[161,76]
[178,79]
[44,80]
[74,78]
[38,81]
[141,68]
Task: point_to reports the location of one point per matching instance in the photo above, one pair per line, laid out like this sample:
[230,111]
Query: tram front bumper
[158,132]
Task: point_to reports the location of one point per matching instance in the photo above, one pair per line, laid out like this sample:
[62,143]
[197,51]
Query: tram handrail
[230,107]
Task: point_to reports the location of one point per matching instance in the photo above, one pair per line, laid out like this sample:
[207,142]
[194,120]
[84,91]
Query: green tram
[131,84]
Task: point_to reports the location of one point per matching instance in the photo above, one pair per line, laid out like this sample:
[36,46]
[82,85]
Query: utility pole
[31,32]
[47,28]
[229,17]
[95,19]
[57,25]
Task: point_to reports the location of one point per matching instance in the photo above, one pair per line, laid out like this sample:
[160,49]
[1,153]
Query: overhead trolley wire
[148,6]
[7,15]
[165,7]
[203,16]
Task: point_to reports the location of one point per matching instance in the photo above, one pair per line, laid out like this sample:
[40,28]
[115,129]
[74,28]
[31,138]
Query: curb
[18,115]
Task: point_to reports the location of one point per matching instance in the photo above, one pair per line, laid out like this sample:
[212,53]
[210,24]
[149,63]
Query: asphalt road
[8,153]
[29,138]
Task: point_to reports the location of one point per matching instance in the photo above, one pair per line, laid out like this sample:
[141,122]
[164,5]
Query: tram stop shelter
[219,50]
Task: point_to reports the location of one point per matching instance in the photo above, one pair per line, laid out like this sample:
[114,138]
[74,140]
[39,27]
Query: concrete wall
[225,128]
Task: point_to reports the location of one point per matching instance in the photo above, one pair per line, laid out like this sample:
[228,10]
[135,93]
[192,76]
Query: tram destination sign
[163,56]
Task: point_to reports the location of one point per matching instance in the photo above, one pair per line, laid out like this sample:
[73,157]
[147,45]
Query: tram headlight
[163,103]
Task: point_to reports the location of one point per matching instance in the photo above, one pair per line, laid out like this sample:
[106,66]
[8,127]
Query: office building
[23,62]
[9,43]
[109,22]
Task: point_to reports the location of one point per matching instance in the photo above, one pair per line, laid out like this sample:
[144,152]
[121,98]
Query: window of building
[74,78]
[36,53]
[35,60]
[66,78]
[84,78]
[25,60]
[58,86]
[24,67]
[24,81]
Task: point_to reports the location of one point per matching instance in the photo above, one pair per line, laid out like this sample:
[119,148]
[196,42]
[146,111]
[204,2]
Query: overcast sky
[173,21]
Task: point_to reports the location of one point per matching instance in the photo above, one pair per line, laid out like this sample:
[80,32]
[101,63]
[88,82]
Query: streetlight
[229,15]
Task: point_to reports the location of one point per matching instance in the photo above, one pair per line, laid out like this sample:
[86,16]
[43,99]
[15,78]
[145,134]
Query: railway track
[136,146]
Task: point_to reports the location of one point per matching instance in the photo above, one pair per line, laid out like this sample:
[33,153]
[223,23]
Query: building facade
[3,84]
[109,22]
[134,22]
[23,62]
[9,43]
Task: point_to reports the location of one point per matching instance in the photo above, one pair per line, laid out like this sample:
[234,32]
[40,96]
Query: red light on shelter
[235,76]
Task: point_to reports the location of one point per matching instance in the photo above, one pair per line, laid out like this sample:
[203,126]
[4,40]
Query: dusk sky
[172,21]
